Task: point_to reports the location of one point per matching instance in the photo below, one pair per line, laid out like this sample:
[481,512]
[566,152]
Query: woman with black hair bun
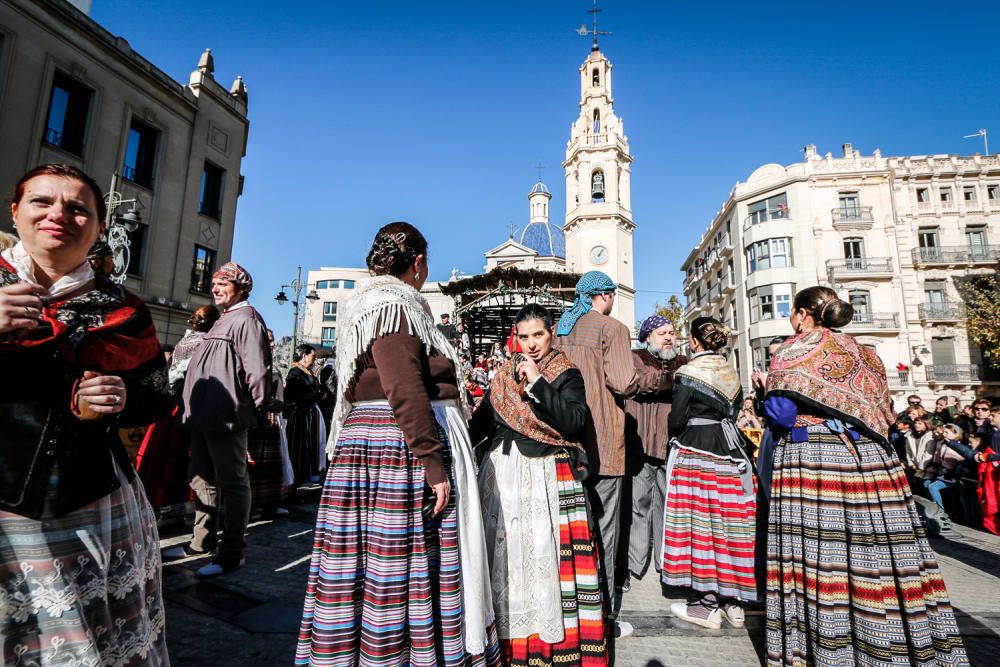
[710,501]
[851,578]
[302,391]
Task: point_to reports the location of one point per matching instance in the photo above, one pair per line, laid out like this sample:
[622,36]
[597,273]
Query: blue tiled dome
[545,239]
[539,187]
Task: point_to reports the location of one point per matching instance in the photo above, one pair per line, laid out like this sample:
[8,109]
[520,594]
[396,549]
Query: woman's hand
[758,378]
[100,394]
[528,370]
[443,491]
[20,307]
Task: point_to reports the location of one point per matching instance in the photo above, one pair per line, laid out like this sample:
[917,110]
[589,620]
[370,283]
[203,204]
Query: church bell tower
[598,163]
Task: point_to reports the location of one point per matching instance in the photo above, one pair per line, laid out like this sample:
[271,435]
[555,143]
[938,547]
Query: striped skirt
[385,581]
[709,522]
[556,528]
[851,579]
[83,588]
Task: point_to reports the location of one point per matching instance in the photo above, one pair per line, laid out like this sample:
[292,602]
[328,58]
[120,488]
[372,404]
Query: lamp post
[296,286]
[118,228]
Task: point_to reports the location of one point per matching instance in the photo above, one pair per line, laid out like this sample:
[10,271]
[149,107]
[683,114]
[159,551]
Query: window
[596,79]
[327,284]
[772,253]
[597,121]
[211,191]
[860,300]
[202,270]
[923,196]
[969,193]
[849,205]
[140,153]
[934,291]
[993,192]
[770,302]
[975,239]
[946,194]
[328,336]
[348,284]
[736,319]
[928,240]
[854,253]
[772,208]
[69,106]
[330,311]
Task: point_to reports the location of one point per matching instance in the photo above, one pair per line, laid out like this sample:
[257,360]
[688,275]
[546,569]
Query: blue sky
[436,112]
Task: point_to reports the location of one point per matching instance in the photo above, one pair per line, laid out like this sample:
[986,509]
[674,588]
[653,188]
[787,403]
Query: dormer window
[597,77]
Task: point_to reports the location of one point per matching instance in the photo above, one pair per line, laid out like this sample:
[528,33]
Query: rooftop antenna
[583,31]
[540,167]
[980,133]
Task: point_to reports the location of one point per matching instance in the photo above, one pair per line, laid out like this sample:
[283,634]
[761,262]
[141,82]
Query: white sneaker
[623,629]
[281,511]
[217,569]
[735,615]
[697,614]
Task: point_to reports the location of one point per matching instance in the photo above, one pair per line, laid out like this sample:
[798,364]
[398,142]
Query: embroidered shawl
[377,308]
[711,374]
[832,371]
[516,412]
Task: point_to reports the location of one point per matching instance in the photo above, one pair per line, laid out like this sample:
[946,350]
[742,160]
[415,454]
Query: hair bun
[836,313]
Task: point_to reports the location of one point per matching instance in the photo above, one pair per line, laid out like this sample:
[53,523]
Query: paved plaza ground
[251,616]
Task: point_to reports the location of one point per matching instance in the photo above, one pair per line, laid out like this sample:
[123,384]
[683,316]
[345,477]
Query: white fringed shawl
[376,309]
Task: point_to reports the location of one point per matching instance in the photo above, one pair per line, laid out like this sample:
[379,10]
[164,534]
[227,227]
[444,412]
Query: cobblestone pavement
[250,617]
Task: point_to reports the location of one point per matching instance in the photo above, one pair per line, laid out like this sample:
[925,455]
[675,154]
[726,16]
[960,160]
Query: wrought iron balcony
[757,217]
[944,311]
[952,373]
[901,379]
[857,217]
[887,321]
[957,254]
[860,265]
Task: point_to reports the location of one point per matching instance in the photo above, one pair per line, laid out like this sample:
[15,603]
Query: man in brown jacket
[601,348]
[647,441]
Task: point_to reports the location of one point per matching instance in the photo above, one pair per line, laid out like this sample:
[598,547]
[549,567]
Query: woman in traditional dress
[163,457]
[79,551]
[851,579]
[398,573]
[542,556]
[710,501]
[302,391]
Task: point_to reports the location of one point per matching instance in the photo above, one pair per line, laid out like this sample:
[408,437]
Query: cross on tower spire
[583,31]
[540,167]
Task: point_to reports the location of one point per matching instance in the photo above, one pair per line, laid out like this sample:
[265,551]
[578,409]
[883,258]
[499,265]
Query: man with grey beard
[647,442]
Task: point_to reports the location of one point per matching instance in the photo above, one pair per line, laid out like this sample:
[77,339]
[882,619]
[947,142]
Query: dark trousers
[219,464]
[645,535]
[604,495]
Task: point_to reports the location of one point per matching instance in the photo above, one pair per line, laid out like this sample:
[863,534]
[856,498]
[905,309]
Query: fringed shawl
[711,374]
[833,372]
[377,308]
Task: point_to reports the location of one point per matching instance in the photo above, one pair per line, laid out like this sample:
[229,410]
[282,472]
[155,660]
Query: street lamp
[118,227]
[296,286]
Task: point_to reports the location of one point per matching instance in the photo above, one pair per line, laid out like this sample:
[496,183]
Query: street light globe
[282,298]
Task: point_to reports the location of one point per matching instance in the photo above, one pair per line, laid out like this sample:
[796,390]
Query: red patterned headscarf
[235,274]
[838,375]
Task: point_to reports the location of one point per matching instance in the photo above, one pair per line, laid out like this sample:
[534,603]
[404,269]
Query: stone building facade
[890,234]
[72,92]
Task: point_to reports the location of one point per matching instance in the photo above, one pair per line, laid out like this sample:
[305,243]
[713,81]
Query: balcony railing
[860,265]
[902,378]
[943,311]
[957,254]
[959,373]
[857,217]
[757,217]
[874,321]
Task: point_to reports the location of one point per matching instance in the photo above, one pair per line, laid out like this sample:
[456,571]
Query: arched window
[597,77]
[597,121]
[597,185]
[860,300]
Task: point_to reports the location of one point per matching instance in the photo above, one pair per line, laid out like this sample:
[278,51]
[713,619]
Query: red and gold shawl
[838,375]
[515,410]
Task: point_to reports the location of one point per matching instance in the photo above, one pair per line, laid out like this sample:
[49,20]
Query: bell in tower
[597,186]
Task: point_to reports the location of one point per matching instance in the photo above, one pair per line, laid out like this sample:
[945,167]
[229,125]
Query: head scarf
[591,283]
[235,274]
[651,324]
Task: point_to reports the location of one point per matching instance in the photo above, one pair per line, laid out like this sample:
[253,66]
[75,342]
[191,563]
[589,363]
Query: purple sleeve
[255,356]
[781,411]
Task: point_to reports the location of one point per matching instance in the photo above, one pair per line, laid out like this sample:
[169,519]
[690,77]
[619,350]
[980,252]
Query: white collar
[237,306]
[19,258]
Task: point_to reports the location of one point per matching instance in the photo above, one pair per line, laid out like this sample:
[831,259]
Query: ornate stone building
[890,234]
[72,92]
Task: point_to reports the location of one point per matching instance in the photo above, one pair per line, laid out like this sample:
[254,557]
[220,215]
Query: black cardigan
[561,404]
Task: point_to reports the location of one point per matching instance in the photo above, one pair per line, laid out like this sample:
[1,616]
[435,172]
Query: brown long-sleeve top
[647,412]
[397,368]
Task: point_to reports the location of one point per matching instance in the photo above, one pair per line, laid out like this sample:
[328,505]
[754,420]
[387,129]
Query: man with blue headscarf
[601,348]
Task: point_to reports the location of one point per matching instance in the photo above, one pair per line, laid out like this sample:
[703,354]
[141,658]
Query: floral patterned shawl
[516,412]
[833,372]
